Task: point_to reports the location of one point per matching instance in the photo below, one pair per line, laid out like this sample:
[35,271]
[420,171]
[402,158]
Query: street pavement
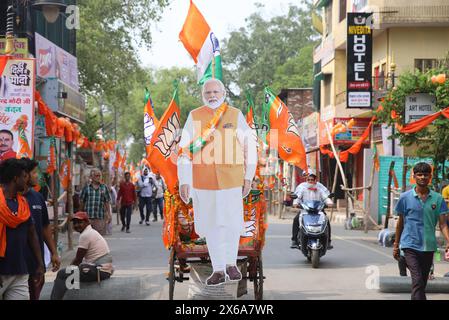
[345,272]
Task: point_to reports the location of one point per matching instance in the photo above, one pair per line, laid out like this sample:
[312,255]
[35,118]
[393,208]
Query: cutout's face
[212,93]
[6,142]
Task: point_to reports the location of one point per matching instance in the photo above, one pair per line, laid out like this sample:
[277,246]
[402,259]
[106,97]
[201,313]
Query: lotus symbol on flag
[170,136]
[287,149]
[292,125]
[148,128]
[250,226]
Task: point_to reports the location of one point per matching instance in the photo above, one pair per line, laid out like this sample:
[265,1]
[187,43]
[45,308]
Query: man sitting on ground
[93,257]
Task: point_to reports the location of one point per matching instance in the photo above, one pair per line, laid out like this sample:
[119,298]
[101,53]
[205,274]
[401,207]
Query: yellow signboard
[21,46]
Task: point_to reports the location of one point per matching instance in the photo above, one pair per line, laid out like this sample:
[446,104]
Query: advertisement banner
[17,85]
[21,46]
[310,131]
[359,60]
[353,134]
[54,62]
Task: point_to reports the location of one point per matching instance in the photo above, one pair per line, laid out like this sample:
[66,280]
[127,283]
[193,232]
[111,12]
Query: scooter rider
[309,191]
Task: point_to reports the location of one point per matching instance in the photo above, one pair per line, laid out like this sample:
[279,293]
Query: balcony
[410,13]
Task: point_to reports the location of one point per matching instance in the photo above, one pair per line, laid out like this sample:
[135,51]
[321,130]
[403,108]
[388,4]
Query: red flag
[165,144]
[289,144]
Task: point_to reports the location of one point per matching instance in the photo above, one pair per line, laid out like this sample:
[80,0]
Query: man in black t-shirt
[17,233]
[39,212]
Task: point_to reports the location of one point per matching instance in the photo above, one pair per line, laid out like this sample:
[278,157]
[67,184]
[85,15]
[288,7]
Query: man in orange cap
[93,257]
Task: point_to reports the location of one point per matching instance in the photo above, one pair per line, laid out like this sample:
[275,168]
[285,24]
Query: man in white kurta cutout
[217,178]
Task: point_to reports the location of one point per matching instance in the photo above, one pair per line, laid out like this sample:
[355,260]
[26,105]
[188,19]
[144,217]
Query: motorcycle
[313,236]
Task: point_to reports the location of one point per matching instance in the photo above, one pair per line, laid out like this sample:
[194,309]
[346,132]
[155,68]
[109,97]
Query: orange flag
[64,173]
[165,142]
[289,144]
[150,122]
[118,159]
[51,160]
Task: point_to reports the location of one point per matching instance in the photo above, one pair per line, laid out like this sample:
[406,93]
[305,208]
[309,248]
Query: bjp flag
[150,122]
[165,144]
[289,144]
[64,173]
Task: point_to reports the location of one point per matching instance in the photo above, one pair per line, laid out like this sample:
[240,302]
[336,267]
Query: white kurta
[219,213]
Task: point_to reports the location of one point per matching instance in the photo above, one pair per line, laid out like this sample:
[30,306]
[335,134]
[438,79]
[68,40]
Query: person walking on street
[146,186]
[39,212]
[93,258]
[17,232]
[126,199]
[419,210]
[95,200]
[159,199]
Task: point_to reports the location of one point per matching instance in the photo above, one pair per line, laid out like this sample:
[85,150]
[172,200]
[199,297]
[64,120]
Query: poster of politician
[16,108]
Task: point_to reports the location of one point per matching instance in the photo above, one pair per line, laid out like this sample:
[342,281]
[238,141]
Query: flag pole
[213,67]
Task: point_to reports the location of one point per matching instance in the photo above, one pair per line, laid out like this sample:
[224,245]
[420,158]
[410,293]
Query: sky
[223,16]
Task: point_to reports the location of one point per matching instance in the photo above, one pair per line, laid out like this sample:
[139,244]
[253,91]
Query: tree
[109,32]
[432,141]
[160,84]
[276,52]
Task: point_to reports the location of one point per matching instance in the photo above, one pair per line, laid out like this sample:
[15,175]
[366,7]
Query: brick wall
[298,101]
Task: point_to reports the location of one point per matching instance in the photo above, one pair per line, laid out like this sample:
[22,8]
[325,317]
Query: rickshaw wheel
[258,280]
[171,275]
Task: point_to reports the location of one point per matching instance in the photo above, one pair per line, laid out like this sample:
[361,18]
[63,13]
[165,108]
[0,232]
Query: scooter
[313,236]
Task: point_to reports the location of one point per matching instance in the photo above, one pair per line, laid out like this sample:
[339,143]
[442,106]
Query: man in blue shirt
[17,232]
[419,210]
[39,212]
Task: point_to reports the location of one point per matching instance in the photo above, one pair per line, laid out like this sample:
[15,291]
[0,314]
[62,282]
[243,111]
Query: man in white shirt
[158,201]
[311,190]
[145,185]
[93,258]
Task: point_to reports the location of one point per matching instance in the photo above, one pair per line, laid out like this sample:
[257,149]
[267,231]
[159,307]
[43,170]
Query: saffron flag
[150,122]
[118,159]
[51,159]
[165,142]
[64,173]
[250,114]
[202,45]
[281,122]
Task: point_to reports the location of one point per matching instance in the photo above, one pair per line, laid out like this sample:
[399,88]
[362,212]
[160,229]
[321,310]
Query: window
[425,64]
[327,89]
[376,78]
[342,10]
[328,14]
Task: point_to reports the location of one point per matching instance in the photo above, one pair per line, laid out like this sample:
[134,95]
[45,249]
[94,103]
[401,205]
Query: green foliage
[275,52]
[161,87]
[432,141]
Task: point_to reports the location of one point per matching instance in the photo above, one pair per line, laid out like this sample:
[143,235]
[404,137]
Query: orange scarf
[198,144]
[8,219]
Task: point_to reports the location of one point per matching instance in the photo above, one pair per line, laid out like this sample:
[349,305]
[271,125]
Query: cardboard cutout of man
[217,174]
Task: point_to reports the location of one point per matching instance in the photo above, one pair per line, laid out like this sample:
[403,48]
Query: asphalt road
[346,272]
